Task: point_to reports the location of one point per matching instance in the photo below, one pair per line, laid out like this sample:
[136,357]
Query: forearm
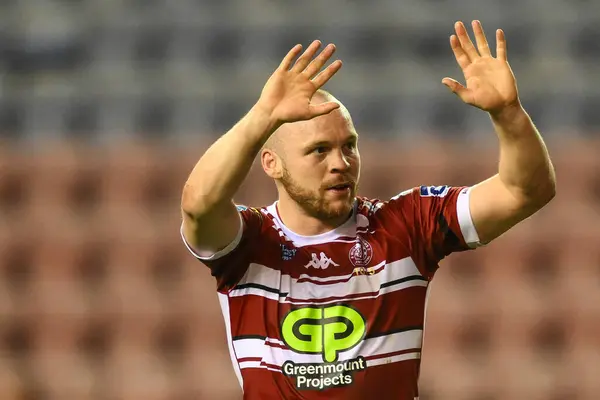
[525,167]
[222,169]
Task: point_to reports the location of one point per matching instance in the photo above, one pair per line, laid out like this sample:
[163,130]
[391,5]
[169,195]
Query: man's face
[321,165]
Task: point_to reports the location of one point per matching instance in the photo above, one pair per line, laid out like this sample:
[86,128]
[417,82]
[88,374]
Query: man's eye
[320,150]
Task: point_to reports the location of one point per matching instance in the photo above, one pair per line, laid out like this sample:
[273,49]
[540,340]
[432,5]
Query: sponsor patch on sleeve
[434,191]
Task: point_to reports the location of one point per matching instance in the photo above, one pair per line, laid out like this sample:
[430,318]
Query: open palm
[288,92]
[490,83]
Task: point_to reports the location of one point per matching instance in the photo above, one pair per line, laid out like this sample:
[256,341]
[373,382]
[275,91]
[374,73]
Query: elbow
[193,203]
[547,191]
[551,192]
[540,197]
[542,186]
[550,186]
[197,203]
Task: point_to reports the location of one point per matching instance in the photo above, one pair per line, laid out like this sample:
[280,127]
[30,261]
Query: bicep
[211,233]
[494,209]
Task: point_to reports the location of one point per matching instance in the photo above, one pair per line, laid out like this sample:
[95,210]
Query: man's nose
[339,161]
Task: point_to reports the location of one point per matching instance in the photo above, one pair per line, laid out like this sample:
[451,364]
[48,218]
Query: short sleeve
[439,220]
[229,265]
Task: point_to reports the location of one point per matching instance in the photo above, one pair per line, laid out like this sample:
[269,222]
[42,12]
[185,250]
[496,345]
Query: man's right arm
[210,219]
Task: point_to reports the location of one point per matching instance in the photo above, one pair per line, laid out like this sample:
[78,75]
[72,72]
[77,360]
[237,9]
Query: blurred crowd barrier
[158,68]
[100,300]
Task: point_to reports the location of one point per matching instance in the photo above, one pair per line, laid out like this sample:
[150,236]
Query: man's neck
[296,220]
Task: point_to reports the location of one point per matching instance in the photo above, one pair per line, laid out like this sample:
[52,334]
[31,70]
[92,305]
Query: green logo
[323,330]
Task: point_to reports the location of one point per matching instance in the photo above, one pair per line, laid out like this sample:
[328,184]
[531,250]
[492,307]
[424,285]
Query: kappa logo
[361,253]
[321,262]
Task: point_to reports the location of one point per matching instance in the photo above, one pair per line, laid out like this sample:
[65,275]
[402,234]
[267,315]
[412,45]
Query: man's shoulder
[368,206]
[391,212]
[372,205]
[409,197]
[377,213]
[244,207]
[261,217]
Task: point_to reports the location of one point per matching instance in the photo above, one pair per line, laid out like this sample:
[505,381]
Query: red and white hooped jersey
[338,315]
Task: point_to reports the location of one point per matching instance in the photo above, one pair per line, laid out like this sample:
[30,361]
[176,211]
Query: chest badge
[361,253]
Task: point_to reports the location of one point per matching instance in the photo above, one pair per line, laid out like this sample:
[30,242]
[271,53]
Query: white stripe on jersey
[370,363]
[377,346]
[465,221]
[257,364]
[266,282]
[224,302]
[394,359]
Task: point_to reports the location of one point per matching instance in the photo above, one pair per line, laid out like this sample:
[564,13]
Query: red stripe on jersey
[243,359]
[256,316]
[272,366]
[395,353]
[343,279]
[384,315]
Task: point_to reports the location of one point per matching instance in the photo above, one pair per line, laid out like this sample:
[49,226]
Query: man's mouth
[341,187]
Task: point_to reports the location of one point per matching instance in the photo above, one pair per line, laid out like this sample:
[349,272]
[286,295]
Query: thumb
[323,108]
[456,88]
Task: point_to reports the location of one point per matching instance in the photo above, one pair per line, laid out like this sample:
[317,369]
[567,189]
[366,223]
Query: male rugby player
[323,292]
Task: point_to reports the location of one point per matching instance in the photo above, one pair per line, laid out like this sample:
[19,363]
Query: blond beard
[313,202]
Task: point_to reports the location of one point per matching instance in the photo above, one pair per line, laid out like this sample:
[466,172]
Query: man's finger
[316,64]
[306,57]
[465,41]
[500,45]
[327,73]
[482,43]
[286,63]
[462,58]
[323,108]
[457,88]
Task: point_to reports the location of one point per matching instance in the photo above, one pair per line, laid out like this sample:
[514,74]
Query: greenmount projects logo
[325,331]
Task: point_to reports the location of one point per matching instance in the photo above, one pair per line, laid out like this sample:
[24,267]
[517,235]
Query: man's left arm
[525,181]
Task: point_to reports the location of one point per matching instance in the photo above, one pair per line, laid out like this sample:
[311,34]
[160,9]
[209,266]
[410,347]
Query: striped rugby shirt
[338,315]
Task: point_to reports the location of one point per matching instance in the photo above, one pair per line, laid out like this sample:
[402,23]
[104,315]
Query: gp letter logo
[326,331]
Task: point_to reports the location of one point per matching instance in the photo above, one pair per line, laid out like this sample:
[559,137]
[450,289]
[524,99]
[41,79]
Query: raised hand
[286,95]
[490,83]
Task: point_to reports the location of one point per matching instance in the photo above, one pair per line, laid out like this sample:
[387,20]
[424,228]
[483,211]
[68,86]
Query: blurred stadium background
[106,105]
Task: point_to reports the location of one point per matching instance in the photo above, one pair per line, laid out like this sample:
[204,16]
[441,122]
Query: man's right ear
[271,163]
